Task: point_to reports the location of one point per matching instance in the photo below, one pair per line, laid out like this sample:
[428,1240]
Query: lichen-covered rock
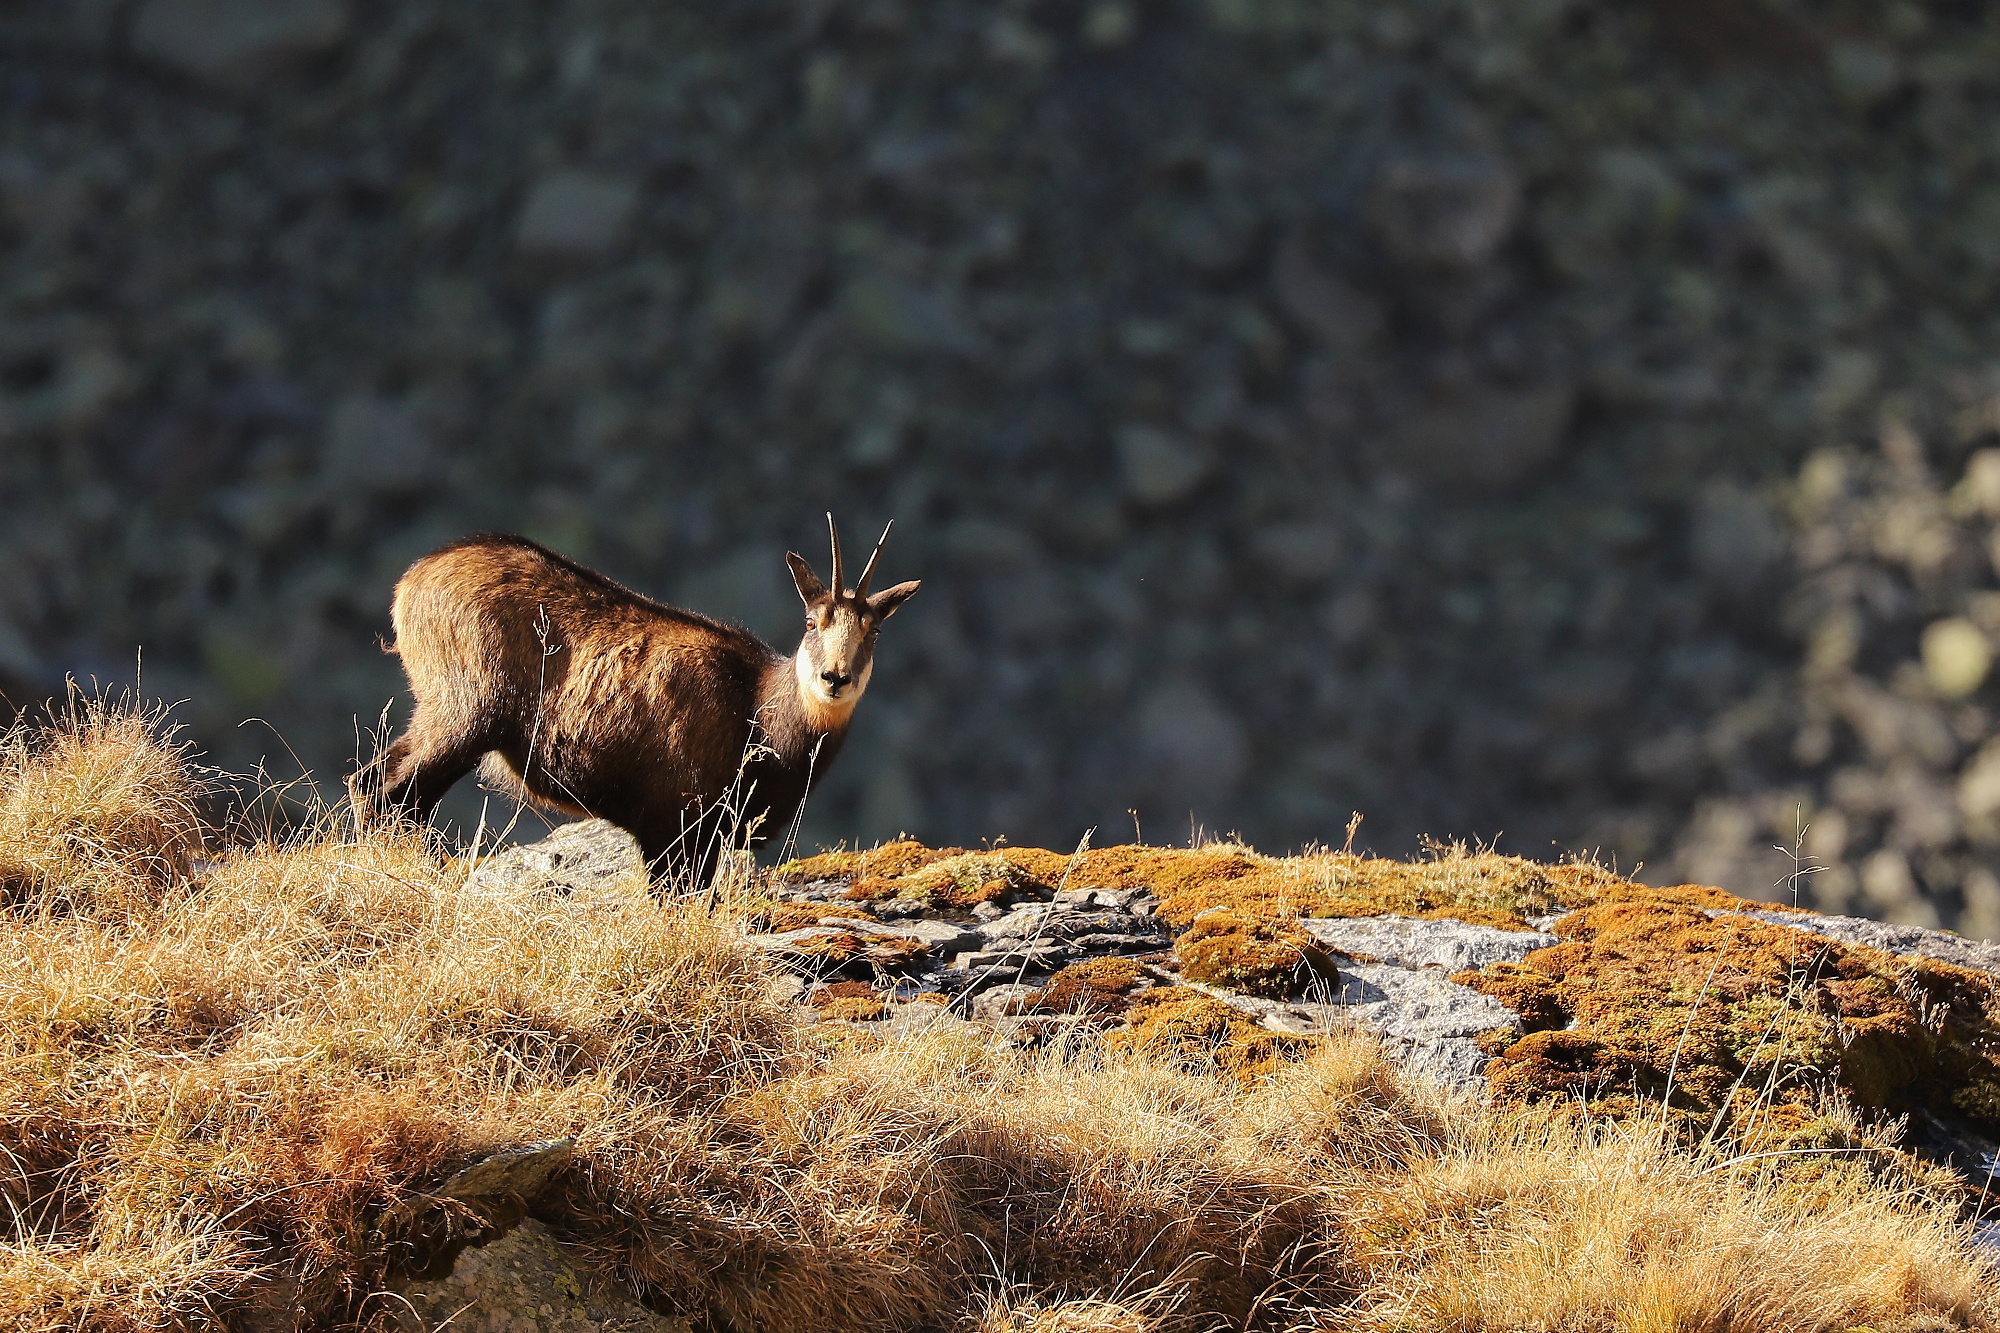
[526,1281]
[1488,973]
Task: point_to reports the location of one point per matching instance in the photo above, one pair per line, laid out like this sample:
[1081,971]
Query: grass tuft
[98,811]
[235,1070]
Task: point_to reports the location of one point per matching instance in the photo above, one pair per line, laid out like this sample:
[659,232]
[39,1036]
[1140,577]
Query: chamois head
[838,650]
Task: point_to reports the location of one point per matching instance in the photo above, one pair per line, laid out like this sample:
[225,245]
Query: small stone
[1298,552]
[1321,301]
[586,856]
[1956,657]
[237,43]
[1195,748]
[522,1171]
[1863,73]
[1487,436]
[1160,468]
[1446,212]
[994,1003]
[575,214]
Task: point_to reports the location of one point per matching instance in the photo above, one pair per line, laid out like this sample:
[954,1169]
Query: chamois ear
[810,588]
[885,602]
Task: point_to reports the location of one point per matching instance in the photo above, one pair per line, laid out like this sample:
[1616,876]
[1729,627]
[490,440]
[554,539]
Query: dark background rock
[1553,421]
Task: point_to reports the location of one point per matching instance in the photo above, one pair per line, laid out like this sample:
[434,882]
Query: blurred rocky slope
[1554,419]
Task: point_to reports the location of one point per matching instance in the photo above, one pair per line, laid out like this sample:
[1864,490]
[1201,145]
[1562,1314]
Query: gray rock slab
[526,1281]
[587,856]
[1426,1021]
[1121,943]
[991,1004]
[997,961]
[1130,900]
[942,938]
[1903,941]
[237,43]
[1414,942]
[1061,921]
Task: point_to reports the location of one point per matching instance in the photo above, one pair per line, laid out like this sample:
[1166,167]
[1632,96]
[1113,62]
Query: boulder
[589,856]
[237,43]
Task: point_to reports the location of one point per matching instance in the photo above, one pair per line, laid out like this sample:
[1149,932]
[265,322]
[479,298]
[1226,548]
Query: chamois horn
[833,536]
[861,588]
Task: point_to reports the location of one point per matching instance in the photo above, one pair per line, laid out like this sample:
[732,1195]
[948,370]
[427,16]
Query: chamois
[584,696]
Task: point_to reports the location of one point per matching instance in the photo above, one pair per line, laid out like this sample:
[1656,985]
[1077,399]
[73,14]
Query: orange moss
[1093,986]
[849,951]
[1039,866]
[890,860]
[1481,887]
[1734,1011]
[1200,1033]
[855,1001]
[961,879]
[777,916]
[1266,957]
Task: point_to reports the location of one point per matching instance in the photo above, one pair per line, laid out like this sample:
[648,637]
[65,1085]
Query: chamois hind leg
[412,776]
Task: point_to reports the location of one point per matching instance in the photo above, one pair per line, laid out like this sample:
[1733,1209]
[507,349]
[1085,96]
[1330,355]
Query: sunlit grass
[231,1067]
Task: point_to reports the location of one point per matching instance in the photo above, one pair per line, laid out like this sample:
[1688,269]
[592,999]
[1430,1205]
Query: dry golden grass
[100,804]
[226,1084]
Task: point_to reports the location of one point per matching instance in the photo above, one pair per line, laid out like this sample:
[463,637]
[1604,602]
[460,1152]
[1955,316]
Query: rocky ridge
[1465,984]
[1492,974]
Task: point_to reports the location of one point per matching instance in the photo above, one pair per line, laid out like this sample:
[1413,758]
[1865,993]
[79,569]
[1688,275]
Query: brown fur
[595,700]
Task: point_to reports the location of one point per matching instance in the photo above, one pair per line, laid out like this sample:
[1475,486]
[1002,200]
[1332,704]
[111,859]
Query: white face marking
[812,688]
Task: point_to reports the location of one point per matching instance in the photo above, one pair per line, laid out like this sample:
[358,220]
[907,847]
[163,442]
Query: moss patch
[778,917]
[1257,956]
[1094,986]
[1728,1014]
[1200,1033]
[1481,887]
[890,861]
[855,1001]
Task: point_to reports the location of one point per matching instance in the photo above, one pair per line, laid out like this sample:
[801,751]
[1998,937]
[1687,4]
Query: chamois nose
[836,681]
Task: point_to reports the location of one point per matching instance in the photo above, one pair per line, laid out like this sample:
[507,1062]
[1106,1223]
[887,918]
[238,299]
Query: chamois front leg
[411,777]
